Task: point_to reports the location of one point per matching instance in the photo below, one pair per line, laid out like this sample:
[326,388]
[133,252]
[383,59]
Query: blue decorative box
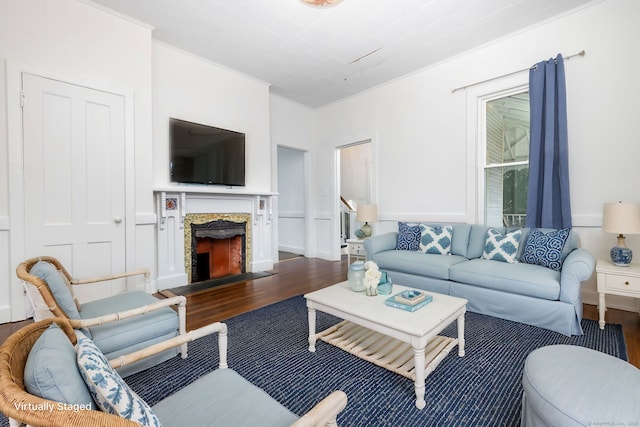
[410,300]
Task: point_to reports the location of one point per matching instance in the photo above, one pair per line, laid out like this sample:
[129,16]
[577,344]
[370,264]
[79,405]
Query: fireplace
[216,245]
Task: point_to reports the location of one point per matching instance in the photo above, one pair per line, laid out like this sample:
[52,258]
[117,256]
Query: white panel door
[74,144]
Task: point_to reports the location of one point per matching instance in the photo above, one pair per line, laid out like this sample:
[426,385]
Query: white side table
[355,248]
[614,280]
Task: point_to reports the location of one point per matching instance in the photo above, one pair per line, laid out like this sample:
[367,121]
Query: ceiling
[315,56]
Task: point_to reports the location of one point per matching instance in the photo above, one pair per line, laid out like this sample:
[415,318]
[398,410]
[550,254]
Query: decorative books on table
[409,300]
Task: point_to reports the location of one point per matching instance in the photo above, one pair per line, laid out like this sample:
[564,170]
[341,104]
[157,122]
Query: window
[506,159]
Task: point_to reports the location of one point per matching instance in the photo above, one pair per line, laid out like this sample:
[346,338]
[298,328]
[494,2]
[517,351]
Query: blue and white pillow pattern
[408,237]
[545,249]
[502,247]
[435,240]
[108,389]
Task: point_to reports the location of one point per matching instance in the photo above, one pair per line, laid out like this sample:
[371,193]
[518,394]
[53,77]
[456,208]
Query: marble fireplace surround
[204,218]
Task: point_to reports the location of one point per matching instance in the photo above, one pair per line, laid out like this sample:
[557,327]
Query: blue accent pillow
[436,240]
[502,247]
[545,248]
[51,371]
[408,237]
[48,272]
[107,387]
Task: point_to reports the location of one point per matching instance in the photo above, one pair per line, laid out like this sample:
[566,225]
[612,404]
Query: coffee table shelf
[384,351]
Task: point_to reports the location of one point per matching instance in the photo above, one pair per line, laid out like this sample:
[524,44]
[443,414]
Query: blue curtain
[548,201]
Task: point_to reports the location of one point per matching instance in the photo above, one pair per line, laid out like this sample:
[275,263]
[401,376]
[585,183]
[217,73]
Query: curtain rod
[581,53]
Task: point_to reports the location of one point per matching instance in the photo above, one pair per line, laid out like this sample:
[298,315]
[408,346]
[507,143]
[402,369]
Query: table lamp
[366,214]
[621,218]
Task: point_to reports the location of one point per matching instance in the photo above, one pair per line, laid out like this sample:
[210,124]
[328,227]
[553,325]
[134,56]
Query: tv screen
[202,154]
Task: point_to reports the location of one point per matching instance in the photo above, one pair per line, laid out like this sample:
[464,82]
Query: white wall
[426,166]
[189,88]
[73,40]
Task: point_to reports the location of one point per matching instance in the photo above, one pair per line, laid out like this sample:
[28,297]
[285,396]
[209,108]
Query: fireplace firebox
[218,246]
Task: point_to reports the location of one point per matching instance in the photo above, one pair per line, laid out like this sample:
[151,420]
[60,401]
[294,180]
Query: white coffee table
[418,329]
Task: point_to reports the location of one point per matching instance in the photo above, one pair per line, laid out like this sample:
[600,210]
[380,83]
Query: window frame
[481,146]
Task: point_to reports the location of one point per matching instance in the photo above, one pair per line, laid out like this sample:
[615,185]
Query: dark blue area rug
[269,347]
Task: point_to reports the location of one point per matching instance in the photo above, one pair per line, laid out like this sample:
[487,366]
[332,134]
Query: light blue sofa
[521,292]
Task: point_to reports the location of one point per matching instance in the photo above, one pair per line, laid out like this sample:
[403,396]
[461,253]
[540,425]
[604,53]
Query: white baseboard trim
[5,313]
[263,265]
[326,256]
[168,282]
[293,249]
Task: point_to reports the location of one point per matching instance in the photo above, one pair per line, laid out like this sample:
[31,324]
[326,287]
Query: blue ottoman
[568,385]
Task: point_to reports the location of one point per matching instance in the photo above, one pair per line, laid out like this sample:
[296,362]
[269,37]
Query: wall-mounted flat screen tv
[202,154]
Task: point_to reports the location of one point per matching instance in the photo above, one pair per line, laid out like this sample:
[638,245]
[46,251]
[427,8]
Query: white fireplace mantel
[175,201]
[210,189]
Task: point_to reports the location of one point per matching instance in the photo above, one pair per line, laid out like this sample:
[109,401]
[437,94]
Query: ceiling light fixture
[321,3]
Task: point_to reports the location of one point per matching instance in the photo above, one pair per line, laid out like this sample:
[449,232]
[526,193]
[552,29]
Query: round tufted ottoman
[568,385]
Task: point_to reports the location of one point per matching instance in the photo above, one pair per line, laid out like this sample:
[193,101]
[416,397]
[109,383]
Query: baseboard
[264,265]
[293,249]
[168,282]
[5,313]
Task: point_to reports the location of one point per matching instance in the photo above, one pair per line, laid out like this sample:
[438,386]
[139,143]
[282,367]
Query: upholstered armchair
[118,324]
[48,376]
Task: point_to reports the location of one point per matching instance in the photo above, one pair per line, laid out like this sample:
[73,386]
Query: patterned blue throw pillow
[502,247]
[108,389]
[408,237]
[545,249]
[435,240]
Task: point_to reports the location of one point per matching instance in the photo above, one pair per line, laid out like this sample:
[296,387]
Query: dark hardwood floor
[298,276]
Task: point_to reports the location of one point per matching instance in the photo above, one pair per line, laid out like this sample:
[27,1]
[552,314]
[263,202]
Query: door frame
[336,250]
[308,250]
[17,244]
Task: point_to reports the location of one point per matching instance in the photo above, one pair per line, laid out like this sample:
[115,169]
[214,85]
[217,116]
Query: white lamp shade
[367,213]
[621,218]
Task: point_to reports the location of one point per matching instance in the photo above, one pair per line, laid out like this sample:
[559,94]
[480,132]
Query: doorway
[291,201]
[355,181]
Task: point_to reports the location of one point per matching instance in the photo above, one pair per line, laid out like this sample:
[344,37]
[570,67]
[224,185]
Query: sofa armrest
[325,412]
[577,267]
[380,243]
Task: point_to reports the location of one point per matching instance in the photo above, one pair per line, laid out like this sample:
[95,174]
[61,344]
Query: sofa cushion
[51,371]
[460,241]
[435,240]
[478,239]
[49,273]
[411,262]
[108,389]
[524,279]
[546,248]
[501,247]
[114,336]
[408,237]
[237,402]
